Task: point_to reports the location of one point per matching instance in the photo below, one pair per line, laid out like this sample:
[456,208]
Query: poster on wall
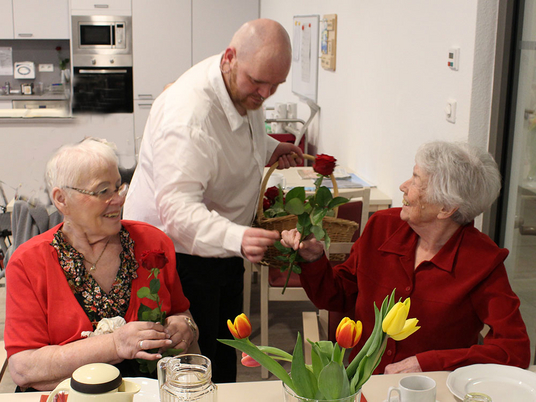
[305,56]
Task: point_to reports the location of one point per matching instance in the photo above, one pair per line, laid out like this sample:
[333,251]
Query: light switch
[450,110]
[454,58]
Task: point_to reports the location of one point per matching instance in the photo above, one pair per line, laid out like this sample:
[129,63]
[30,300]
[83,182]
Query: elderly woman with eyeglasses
[85,271]
[430,251]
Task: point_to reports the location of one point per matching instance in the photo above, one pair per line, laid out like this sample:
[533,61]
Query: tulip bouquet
[327,378]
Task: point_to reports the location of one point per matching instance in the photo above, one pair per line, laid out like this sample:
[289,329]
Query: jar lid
[96,378]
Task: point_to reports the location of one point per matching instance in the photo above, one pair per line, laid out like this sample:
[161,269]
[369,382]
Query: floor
[285,321]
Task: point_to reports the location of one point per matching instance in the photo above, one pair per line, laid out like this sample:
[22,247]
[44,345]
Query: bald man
[198,178]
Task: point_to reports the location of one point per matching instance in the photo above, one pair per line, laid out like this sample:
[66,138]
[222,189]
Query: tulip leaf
[266,361]
[323,197]
[304,381]
[294,206]
[333,382]
[296,192]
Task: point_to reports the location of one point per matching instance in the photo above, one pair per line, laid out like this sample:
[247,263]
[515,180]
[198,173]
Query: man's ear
[60,200]
[445,213]
[229,55]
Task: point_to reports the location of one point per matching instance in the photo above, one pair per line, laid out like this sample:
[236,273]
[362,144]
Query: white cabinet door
[215,22]
[141,113]
[100,7]
[6,14]
[6,104]
[161,40]
[38,19]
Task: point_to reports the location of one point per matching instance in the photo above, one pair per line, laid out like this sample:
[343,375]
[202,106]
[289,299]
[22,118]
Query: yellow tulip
[395,323]
[241,328]
[348,333]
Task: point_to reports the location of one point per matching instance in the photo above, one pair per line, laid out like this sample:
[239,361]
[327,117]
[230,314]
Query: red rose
[153,259]
[324,164]
[272,193]
[58,48]
[266,204]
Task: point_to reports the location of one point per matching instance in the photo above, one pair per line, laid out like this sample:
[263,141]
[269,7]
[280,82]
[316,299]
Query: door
[519,230]
[37,19]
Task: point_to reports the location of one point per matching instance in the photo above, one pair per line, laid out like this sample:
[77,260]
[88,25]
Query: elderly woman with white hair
[429,250]
[88,270]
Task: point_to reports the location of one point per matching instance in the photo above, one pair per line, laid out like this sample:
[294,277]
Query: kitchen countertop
[45,96]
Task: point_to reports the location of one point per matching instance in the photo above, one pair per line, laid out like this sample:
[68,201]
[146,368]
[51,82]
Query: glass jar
[476,397]
[290,396]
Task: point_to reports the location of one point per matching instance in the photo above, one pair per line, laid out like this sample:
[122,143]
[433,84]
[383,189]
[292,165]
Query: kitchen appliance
[24,70]
[102,64]
[100,40]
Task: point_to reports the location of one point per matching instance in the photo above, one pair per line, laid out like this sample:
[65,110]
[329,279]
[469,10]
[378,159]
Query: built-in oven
[102,90]
[102,64]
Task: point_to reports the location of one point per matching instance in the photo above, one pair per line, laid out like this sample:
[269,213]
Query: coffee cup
[276,179]
[415,388]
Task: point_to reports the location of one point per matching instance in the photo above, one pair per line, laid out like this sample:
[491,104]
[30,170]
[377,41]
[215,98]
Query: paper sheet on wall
[306,53]
[296,41]
[6,61]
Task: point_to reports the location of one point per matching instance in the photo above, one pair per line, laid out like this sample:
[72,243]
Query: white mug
[415,388]
[276,179]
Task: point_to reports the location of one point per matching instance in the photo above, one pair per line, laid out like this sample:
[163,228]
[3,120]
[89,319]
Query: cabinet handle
[101,6]
[145,105]
[25,35]
[147,96]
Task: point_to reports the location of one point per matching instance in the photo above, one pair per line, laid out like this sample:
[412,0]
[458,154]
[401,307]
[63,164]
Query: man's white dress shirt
[200,165]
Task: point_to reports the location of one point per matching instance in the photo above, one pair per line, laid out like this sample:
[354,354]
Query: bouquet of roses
[327,378]
[153,261]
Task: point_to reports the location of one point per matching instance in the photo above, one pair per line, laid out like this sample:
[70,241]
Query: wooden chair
[273,280]
[3,360]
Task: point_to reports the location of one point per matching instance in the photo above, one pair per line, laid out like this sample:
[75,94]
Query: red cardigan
[40,306]
[462,288]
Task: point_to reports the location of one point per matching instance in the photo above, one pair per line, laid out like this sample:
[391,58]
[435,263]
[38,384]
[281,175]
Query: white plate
[501,383]
[149,389]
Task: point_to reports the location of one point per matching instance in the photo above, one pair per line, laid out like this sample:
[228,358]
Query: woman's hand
[180,333]
[133,340]
[310,249]
[409,365]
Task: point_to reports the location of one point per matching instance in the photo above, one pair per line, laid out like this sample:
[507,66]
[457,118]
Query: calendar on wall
[305,56]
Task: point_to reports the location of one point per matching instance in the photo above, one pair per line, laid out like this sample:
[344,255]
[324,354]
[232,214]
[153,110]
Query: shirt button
[408,288]
[389,352]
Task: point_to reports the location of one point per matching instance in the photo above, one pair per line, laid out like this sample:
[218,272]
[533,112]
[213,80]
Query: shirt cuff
[233,239]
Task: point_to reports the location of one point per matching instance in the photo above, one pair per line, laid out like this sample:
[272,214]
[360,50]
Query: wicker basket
[339,230]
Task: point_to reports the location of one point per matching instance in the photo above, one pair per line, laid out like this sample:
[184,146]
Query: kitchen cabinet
[215,22]
[38,19]
[6,14]
[6,104]
[141,114]
[101,7]
[161,44]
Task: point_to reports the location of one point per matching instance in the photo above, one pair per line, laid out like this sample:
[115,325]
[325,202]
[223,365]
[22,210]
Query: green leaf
[266,361]
[318,232]
[337,201]
[323,197]
[143,309]
[154,286]
[146,315]
[317,216]
[281,248]
[303,225]
[143,292]
[283,258]
[333,382]
[305,385]
[296,193]
[327,241]
[294,207]
[155,315]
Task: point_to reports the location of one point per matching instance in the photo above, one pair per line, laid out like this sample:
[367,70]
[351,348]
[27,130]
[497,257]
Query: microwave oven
[101,40]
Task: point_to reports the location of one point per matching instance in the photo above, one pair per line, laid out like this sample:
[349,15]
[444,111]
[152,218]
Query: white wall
[392,81]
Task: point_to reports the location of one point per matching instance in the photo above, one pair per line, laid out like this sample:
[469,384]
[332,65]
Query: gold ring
[141,345]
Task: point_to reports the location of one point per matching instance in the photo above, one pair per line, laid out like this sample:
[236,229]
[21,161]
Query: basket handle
[260,210]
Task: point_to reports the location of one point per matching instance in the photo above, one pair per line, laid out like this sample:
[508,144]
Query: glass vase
[290,396]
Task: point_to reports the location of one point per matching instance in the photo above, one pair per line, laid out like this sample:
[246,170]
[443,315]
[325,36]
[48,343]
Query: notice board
[305,56]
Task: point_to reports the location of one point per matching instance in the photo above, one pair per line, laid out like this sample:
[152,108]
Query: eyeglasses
[106,194]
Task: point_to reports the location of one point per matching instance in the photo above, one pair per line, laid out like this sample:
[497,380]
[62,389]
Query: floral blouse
[96,303]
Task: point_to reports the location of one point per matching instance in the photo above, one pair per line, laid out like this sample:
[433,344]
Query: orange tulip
[241,328]
[348,333]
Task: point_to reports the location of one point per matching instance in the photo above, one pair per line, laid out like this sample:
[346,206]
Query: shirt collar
[403,242]
[233,117]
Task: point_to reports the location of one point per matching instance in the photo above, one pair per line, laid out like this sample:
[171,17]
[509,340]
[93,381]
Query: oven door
[102,90]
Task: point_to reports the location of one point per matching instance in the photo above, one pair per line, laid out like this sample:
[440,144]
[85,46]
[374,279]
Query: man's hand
[256,241]
[287,154]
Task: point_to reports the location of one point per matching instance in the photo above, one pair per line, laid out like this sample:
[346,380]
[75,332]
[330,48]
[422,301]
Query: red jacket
[462,288]
[40,306]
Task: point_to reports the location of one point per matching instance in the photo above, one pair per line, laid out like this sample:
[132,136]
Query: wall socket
[49,68]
